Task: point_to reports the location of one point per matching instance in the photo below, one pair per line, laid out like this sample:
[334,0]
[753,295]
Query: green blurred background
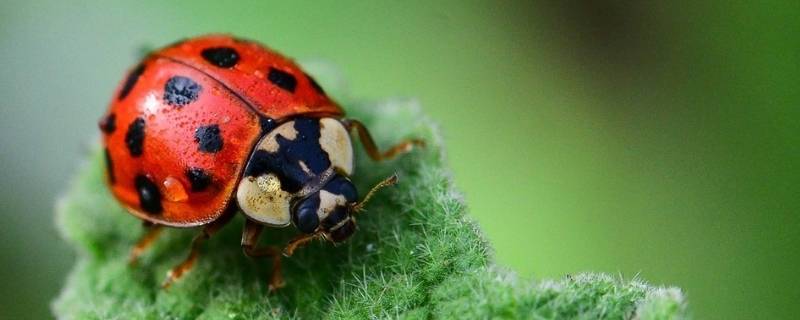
[638,138]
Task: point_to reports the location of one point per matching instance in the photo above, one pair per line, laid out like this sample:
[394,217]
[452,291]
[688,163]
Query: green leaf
[416,255]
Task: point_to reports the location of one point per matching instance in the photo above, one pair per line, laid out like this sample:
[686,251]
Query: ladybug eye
[305,216]
[342,186]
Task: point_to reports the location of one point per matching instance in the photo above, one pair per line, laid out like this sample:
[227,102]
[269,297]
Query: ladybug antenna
[359,206]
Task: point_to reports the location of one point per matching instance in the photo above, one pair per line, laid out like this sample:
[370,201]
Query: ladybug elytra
[214,125]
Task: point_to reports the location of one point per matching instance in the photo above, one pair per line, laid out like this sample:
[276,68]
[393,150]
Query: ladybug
[214,125]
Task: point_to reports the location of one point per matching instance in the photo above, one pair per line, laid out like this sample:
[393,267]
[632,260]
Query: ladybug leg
[298,242]
[252,231]
[153,231]
[369,144]
[210,229]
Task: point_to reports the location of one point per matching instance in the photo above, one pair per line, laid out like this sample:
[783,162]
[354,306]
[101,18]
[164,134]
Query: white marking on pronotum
[335,140]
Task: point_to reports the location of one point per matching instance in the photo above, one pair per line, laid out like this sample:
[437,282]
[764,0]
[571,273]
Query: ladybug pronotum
[214,125]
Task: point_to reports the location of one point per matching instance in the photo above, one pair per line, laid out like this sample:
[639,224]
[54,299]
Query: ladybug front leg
[298,242]
[252,231]
[369,144]
[210,229]
[153,231]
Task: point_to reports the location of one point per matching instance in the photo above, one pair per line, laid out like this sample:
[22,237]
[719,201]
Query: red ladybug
[214,125]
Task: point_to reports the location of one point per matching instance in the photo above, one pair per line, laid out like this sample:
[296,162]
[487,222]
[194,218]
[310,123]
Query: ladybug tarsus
[250,235]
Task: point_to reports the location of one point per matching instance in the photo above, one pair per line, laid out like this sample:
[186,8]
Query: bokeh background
[630,137]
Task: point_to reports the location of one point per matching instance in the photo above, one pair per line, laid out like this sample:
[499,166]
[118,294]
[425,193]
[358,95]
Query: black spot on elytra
[180,91]
[305,214]
[208,138]
[149,196]
[223,57]
[267,124]
[285,163]
[199,179]
[282,79]
[134,138]
[110,167]
[130,82]
[315,85]
[109,123]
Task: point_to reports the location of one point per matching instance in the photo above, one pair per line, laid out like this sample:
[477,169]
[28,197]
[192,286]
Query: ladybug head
[330,211]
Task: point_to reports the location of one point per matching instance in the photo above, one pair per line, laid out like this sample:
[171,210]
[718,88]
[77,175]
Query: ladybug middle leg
[153,231]
[369,144]
[210,229]
[252,231]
